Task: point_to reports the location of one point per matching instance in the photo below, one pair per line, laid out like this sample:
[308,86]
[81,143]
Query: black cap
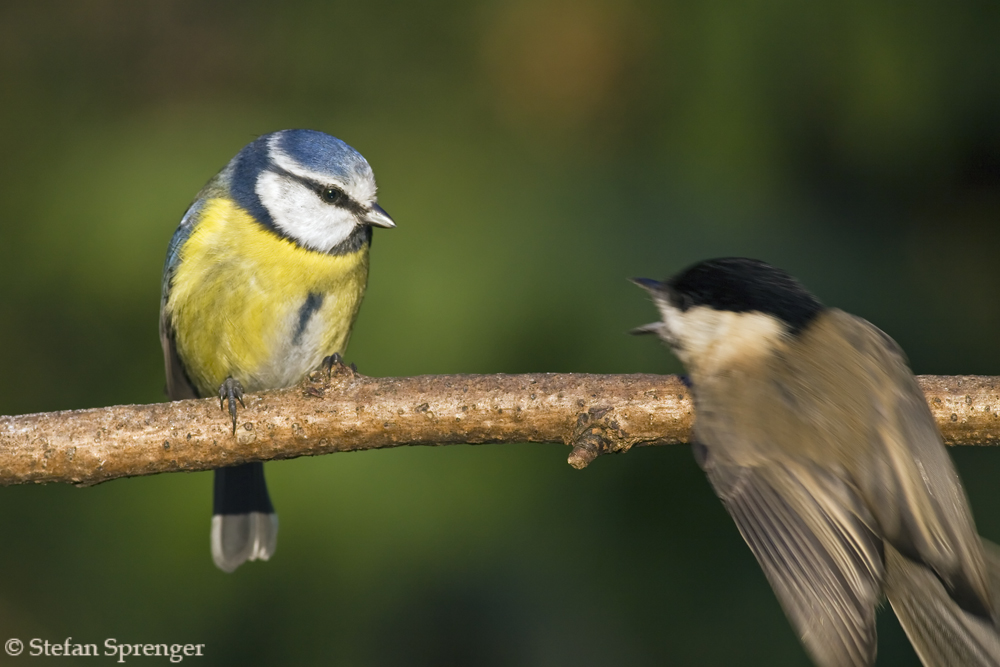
[740,285]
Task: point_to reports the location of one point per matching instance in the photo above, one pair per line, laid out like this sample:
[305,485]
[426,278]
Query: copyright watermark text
[111,648]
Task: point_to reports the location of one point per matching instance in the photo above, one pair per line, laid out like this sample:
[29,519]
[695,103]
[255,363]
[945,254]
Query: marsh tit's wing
[822,560]
[907,477]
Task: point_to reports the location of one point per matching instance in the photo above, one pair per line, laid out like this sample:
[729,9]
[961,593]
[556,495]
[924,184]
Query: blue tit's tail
[244,525]
[940,630]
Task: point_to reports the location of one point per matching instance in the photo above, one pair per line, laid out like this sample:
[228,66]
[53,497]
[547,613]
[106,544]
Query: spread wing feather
[907,477]
[823,562]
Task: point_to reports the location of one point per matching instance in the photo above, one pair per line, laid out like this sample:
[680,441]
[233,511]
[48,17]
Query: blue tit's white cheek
[299,212]
[357,179]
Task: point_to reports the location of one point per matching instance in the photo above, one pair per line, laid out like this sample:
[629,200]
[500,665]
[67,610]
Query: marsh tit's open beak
[652,328]
[648,284]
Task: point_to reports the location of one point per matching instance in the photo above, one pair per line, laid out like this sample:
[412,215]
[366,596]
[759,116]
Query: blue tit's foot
[685,380]
[231,390]
[335,361]
[329,363]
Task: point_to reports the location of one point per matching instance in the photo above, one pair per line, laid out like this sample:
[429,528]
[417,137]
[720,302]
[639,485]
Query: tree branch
[344,411]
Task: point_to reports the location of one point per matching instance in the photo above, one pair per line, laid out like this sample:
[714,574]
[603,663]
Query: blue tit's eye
[331,194]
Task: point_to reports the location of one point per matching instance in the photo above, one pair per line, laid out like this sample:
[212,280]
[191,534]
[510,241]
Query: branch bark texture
[344,411]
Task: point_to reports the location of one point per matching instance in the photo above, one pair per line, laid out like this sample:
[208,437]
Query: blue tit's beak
[376,217]
[648,284]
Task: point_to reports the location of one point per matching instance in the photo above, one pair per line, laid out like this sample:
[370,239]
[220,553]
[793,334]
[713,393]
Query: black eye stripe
[327,192]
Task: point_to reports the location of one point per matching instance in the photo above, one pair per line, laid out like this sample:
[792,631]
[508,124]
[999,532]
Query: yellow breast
[249,304]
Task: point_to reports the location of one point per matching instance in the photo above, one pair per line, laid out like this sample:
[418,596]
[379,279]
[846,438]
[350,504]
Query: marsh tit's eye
[332,195]
[681,302]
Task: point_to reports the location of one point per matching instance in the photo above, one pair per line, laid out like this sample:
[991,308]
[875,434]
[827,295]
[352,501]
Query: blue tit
[263,280]
[815,435]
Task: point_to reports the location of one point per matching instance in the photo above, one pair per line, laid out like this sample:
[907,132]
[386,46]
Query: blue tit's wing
[824,563]
[179,386]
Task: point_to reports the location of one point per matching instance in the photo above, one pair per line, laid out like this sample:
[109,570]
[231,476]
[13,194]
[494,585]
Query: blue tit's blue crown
[315,151]
[322,153]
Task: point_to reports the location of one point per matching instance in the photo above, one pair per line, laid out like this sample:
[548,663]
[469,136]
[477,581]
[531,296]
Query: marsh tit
[814,433]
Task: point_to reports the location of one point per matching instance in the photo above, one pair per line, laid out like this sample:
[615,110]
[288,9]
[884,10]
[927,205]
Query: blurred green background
[534,155]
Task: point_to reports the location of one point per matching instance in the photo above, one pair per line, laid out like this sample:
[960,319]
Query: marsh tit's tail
[940,630]
[244,525]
